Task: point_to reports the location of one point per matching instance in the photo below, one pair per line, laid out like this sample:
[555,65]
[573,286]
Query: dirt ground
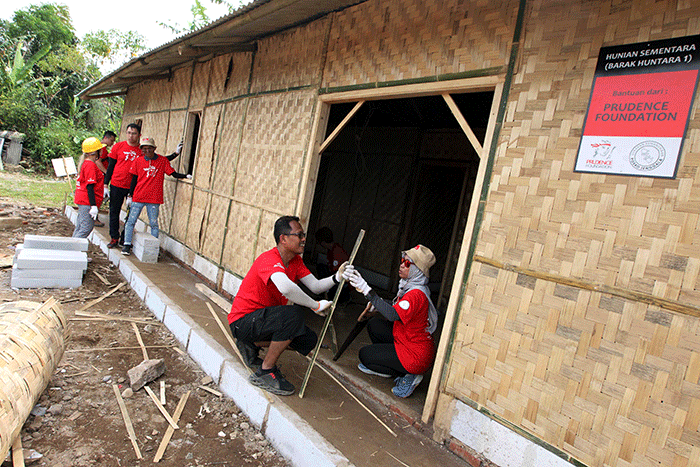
[77,420]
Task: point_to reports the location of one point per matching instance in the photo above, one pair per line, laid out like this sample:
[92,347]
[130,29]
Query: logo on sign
[647,155]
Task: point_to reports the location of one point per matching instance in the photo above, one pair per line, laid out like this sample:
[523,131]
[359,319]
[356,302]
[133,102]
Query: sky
[140,16]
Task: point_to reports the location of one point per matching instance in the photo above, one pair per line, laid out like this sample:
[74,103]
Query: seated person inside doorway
[335,257]
[260,315]
[402,337]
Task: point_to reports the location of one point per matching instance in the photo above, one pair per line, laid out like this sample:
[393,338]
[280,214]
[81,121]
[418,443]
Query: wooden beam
[342,124]
[127,421]
[463,124]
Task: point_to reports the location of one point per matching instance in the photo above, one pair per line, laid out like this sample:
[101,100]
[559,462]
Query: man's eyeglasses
[301,235]
[405,262]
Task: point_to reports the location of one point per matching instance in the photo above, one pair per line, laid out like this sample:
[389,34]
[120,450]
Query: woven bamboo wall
[227,152]
[223,85]
[380,41]
[290,59]
[176,124]
[200,85]
[608,380]
[181,81]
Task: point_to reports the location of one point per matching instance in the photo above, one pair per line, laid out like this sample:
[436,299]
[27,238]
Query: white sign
[64,166]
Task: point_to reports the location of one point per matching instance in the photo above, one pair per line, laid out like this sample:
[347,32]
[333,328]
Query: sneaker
[113,243]
[273,381]
[249,352]
[364,369]
[405,386]
[126,250]
[99,223]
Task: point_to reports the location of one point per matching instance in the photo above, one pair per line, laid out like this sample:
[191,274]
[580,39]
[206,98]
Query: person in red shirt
[402,339]
[146,189]
[260,315]
[123,154]
[335,256]
[88,188]
[108,140]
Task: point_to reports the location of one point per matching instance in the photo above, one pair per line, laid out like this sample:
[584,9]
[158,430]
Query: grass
[35,189]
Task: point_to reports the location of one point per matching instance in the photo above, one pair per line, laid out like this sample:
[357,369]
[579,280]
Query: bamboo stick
[169,432]
[127,421]
[161,408]
[138,338]
[98,300]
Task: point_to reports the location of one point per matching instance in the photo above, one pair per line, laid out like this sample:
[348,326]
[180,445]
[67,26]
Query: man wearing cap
[88,188]
[123,154]
[402,339]
[146,189]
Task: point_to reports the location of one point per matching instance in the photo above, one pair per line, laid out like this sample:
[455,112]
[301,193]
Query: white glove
[189,177]
[93,212]
[322,308]
[356,280]
[341,270]
[178,149]
[128,201]
[106,192]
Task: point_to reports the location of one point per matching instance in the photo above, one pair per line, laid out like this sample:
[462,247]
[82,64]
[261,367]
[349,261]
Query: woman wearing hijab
[402,343]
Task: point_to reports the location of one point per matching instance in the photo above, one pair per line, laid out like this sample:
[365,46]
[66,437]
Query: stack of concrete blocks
[146,247]
[49,262]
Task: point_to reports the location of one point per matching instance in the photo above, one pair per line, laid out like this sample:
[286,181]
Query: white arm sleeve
[316,285]
[292,291]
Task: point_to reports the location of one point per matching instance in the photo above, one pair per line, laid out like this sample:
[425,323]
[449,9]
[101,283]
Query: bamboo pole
[358,242]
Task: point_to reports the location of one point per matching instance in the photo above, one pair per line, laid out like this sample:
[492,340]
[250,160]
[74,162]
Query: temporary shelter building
[570,299]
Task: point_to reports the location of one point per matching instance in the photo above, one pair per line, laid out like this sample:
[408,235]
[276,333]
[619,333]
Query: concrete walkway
[327,427]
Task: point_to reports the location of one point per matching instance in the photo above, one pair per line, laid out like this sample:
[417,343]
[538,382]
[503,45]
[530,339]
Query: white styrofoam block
[45,283]
[250,399]
[206,268]
[139,283]
[208,353]
[179,323]
[30,258]
[157,301]
[230,283]
[294,439]
[46,273]
[497,443]
[48,242]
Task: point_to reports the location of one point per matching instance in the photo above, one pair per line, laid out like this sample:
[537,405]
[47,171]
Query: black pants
[276,323]
[381,356]
[117,195]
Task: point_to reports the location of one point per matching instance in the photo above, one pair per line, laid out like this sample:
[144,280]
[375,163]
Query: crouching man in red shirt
[260,315]
[146,190]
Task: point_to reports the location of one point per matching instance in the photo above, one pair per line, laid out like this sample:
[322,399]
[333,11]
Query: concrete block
[145,256]
[46,273]
[68,211]
[126,267]
[208,353]
[46,283]
[46,242]
[206,268]
[297,441]
[230,283]
[250,399]
[30,258]
[174,247]
[157,301]
[115,256]
[179,323]
[140,283]
[146,239]
[10,223]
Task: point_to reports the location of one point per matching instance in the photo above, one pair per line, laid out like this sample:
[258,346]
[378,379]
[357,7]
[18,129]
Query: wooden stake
[17,452]
[162,392]
[102,278]
[210,390]
[356,399]
[138,338]
[98,300]
[360,236]
[169,432]
[127,421]
[161,408]
[220,301]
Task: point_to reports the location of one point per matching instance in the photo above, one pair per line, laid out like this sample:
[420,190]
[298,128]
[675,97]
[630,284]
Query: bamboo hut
[570,299]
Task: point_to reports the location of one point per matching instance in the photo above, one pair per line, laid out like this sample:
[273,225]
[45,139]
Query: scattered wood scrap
[138,338]
[169,432]
[210,390]
[220,301]
[127,421]
[161,408]
[98,300]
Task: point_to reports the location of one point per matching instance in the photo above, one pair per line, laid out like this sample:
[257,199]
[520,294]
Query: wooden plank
[210,390]
[132,347]
[161,408]
[340,126]
[138,338]
[169,432]
[464,125]
[220,301]
[358,242]
[162,392]
[98,300]
[17,452]
[102,278]
[127,421]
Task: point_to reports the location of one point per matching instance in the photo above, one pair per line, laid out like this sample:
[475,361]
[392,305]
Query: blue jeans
[134,213]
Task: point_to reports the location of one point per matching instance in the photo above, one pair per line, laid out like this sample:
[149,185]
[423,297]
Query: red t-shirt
[336,256]
[414,346]
[150,173]
[104,157]
[125,156]
[258,291]
[89,175]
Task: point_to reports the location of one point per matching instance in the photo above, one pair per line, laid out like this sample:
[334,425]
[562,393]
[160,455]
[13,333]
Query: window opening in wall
[191,141]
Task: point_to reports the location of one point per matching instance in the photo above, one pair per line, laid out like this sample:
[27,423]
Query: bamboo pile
[31,345]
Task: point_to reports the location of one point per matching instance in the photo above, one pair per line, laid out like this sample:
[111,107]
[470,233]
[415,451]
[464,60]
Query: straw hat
[422,257]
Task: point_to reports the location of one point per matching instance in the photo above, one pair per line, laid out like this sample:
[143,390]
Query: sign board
[64,166]
[639,109]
